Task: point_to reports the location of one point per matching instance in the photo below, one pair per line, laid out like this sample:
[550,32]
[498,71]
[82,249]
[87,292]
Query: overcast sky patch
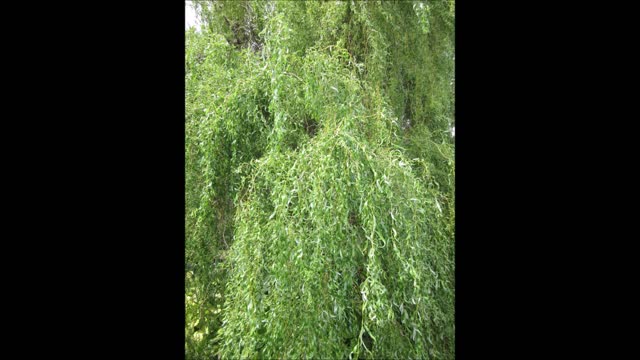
[190,18]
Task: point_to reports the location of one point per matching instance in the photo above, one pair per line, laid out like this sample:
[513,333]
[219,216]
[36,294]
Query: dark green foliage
[320,180]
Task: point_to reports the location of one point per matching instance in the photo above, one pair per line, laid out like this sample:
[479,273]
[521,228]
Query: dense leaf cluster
[320,180]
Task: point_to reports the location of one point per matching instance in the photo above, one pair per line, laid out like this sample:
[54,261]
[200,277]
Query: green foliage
[320,180]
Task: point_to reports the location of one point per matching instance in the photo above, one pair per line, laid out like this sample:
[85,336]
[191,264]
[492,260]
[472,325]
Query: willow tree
[320,180]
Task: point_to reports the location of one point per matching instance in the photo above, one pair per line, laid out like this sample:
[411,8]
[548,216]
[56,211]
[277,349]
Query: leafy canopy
[320,180]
